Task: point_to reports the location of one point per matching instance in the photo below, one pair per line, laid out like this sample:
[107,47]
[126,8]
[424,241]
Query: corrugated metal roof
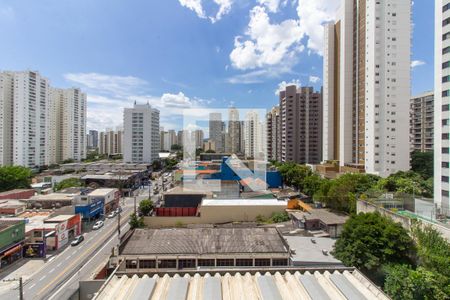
[204,241]
[286,286]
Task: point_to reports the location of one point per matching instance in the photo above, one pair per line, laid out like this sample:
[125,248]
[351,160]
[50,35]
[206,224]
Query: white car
[112,215]
[98,225]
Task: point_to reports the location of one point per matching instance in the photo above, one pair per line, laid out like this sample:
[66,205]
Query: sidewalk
[24,268]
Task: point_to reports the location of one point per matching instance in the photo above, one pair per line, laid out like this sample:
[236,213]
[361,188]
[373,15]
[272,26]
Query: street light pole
[20,288]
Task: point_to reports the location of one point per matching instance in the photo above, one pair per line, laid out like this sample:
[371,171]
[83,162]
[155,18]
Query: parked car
[98,225]
[119,210]
[112,214]
[77,240]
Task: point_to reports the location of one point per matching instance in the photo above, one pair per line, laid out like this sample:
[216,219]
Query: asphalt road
[59,277]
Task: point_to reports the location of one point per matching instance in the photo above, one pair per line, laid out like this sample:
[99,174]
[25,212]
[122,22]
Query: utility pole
[135,212]
[20,288]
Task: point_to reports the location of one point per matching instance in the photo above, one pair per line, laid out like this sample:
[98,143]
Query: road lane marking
[52,270]
[31,286]
[58,265]
[75,261]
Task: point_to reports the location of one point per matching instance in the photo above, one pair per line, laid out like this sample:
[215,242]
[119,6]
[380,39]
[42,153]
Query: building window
[279,262]
[446,65]
[444,178]
[131,264]
[261,262]
[445,136]
[445,150]
[226,262]
[445,22]
[445,165]
[244,262]
[446,50]
[186,263]
[446,7]
[444,193]
[168,264]
[147,264]
[206,263]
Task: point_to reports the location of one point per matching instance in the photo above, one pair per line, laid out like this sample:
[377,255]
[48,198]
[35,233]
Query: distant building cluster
[39,124]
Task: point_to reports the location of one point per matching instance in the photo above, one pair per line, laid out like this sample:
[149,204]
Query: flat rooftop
[60,218]
[4,224]
[204,241]
[10,192]
[330,285]
[243,202]
[324,215]
[53,197]
[101,192]
[308,251]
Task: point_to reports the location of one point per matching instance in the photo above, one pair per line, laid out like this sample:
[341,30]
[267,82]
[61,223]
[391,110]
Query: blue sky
[179,54]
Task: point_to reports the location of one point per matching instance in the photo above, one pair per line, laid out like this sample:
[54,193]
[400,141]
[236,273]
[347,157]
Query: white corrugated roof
[278,286]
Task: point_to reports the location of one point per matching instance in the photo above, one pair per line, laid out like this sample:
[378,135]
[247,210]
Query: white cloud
[108,95]
[224,7]
[314,79]
[7,13]
[266,44]
[282,85]
[194,5]
[313,15]
[417,63]
[119,85]
[259,76]
[272,5]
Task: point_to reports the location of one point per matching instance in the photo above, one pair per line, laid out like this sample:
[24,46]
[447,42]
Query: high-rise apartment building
[300,127]
[173,139]
[92,139]
[234,131]
[216,131]
[67,135]
[180,137]
[422,122]
[40,125]
[273,131]
[24,119]
[199,136]
[110,142]
[442,106]
[366,82]
[141,140]
[254,136]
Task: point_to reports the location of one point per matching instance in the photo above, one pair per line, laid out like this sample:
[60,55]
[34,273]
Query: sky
[178,54]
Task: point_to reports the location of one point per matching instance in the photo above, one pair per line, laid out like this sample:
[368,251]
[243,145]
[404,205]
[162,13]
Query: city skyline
[218,79]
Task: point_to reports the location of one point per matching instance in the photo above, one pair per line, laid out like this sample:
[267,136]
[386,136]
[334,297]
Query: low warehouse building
[215,211]
[192,248]
[320,219]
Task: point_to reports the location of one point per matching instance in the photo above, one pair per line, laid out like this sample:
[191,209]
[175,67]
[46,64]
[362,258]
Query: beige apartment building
[300,129]
[366,82]
[422,122]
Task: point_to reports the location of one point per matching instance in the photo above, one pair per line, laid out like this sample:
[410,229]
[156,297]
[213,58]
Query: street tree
[14,177]
[371,240]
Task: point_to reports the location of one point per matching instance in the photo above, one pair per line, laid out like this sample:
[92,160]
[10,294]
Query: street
[59,277]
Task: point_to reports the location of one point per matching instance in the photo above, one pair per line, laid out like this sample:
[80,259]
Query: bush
[370,240]
[67,183]
[14,177]
[136,222]
[146,206]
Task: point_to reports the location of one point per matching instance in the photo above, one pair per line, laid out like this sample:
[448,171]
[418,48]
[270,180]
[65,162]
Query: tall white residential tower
[24,118]
[67,135]
[141,140]
[442,106]
[367,86]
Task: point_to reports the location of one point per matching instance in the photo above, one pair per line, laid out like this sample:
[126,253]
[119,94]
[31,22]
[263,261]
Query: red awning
[13,250]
